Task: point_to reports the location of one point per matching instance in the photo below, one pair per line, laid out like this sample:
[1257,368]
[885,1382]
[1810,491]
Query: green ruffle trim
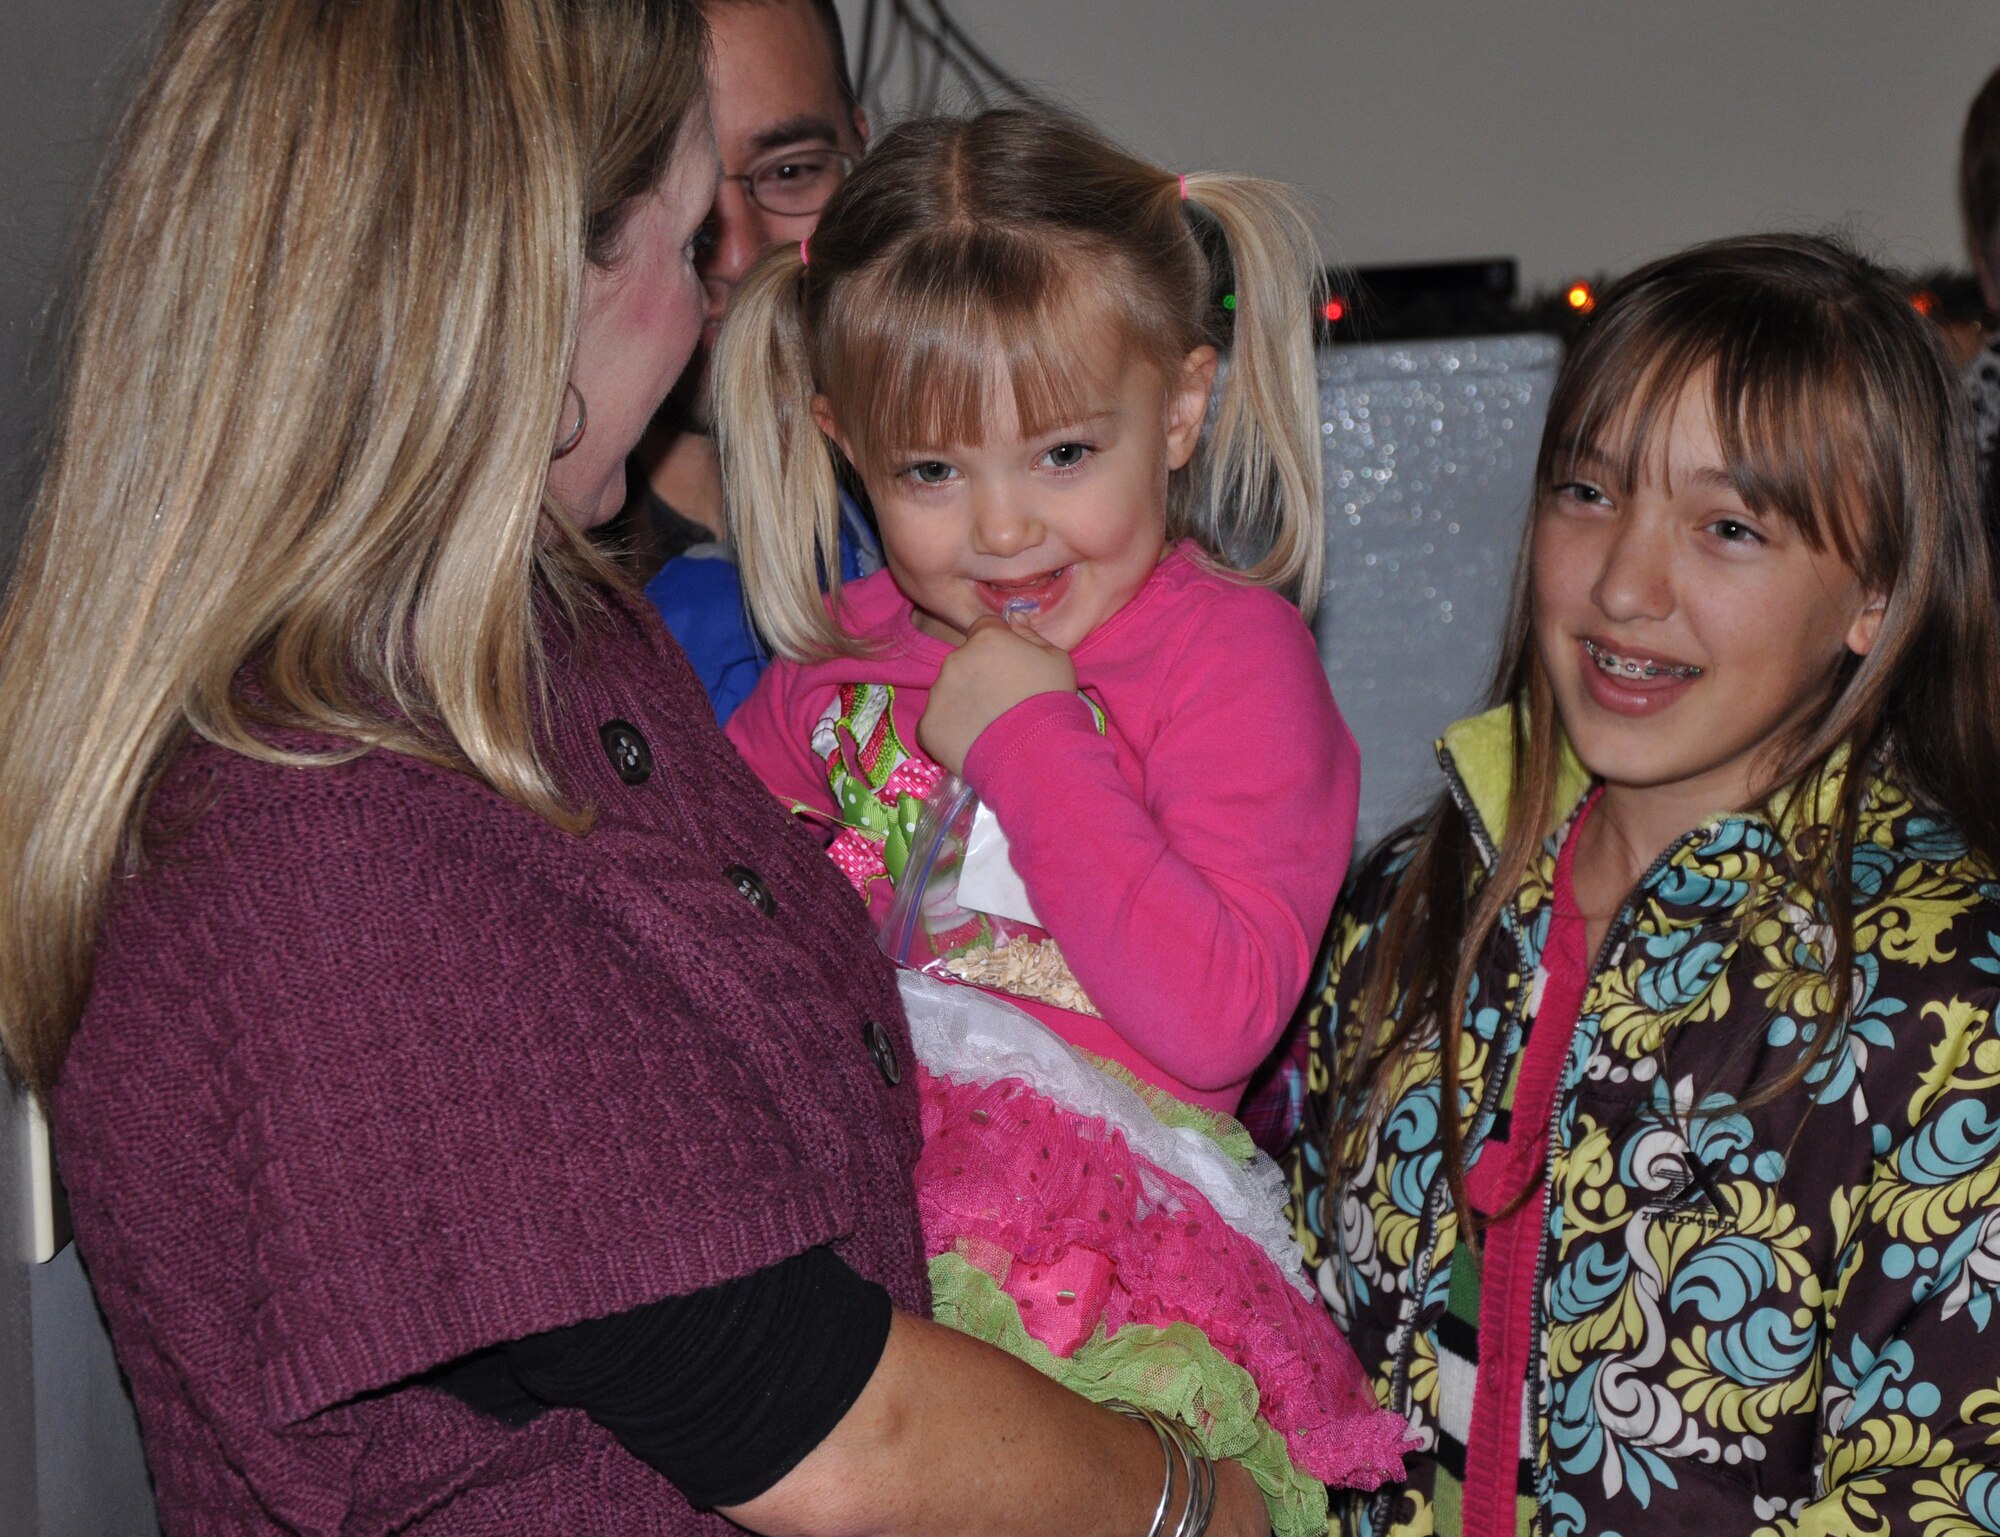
[1173,1371]
[1225,1131]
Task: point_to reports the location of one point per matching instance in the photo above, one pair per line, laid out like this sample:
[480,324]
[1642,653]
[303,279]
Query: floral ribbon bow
[878,784]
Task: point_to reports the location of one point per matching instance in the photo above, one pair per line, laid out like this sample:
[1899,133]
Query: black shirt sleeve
[724,1391]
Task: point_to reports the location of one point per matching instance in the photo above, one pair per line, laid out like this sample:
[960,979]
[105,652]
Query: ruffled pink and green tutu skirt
[1133,1247]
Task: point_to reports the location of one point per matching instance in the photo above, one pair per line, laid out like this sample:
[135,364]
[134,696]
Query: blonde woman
[475,1116]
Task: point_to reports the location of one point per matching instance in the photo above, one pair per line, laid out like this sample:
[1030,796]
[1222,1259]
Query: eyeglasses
[797,183]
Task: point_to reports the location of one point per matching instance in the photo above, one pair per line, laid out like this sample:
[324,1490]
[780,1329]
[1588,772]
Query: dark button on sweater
[628,751]
[883,1050]
[750,886]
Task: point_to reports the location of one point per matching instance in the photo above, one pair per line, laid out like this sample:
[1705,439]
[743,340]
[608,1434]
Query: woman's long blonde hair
[1835,409]
[1005,238]
[311,386]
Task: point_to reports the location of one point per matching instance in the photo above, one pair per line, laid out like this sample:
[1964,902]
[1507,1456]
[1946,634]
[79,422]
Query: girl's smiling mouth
[1631,683]
[1638,667]
[1043,590]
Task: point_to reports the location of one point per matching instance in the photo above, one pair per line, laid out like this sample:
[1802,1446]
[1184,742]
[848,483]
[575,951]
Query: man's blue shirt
[700,595]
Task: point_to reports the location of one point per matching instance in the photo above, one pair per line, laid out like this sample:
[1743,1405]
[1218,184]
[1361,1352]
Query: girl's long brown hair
[312,382]
[1835,408]
[1004,239]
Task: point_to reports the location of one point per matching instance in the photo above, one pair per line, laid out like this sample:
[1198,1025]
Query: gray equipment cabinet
[1429,458]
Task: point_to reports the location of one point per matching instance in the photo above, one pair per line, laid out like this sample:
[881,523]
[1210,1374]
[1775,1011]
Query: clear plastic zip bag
[962,912]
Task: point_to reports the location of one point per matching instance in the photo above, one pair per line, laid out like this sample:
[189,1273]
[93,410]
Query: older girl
[1653,1163]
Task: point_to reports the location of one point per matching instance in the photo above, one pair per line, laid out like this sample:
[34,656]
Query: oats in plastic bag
[962,912]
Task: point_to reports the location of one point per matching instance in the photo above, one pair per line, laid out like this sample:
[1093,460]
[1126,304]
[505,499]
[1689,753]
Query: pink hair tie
[1184,186]
[804,259]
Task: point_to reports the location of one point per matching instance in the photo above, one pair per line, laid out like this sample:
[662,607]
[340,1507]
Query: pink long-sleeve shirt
[1186,858]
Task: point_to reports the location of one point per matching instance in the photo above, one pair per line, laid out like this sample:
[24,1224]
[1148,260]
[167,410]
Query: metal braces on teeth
[1625,667]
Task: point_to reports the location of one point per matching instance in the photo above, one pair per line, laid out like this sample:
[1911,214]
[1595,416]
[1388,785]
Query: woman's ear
[1187,405]
[1867,625]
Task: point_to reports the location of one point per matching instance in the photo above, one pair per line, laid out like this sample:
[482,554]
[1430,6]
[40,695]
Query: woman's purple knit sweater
[378,1069]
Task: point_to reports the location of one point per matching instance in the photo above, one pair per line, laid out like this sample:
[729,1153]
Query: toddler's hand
[1001,663]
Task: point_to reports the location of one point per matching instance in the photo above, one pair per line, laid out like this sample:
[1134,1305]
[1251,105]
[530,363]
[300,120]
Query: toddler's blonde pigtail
[1260,481]
[783,504]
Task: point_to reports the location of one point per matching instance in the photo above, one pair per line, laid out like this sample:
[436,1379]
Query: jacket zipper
[1488,1107]
[1614,941]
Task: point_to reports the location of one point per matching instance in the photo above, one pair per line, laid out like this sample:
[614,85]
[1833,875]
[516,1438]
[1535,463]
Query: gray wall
[62,73]
[17,1335]
[69,1456]
[1577,135]
[90,1475]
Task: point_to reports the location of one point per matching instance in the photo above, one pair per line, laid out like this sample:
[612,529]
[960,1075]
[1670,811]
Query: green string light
[1229,301]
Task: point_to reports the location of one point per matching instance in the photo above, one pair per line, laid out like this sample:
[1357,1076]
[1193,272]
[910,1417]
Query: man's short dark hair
[1979,177]
[836,39]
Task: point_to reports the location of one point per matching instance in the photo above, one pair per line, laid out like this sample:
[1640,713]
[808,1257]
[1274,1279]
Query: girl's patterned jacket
[1772,1321]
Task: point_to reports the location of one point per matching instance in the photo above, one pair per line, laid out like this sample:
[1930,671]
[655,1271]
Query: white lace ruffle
[970,1036]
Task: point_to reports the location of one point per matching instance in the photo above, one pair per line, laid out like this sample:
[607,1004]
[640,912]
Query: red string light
[1335,310]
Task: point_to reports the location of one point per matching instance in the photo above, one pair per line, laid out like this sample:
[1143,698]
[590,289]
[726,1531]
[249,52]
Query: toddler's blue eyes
[937,472]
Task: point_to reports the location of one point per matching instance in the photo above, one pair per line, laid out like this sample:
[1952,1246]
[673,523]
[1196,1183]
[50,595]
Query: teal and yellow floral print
[1772,1318]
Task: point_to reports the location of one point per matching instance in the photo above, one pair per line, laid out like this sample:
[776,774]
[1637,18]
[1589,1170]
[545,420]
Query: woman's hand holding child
[1001,662]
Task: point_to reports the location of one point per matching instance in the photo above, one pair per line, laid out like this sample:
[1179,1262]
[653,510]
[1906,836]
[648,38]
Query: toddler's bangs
[953,340]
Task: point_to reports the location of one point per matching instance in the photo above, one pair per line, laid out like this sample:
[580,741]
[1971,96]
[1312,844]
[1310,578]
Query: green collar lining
[1479,750]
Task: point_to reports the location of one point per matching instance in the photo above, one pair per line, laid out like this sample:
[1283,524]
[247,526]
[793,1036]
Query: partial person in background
[789,129]
[1979,203]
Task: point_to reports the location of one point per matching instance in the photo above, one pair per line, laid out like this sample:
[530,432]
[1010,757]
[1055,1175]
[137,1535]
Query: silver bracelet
[1201,1483]
[1200,1472]
[1158,1526]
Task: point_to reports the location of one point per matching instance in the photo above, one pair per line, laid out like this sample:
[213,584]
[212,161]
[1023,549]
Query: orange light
[1580,298]
[1923,301]
[1335,311]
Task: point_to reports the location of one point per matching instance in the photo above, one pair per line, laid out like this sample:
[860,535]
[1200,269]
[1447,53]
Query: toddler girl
[1009,330]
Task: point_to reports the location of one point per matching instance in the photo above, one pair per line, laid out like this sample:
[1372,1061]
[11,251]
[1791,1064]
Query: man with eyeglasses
[788,129]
